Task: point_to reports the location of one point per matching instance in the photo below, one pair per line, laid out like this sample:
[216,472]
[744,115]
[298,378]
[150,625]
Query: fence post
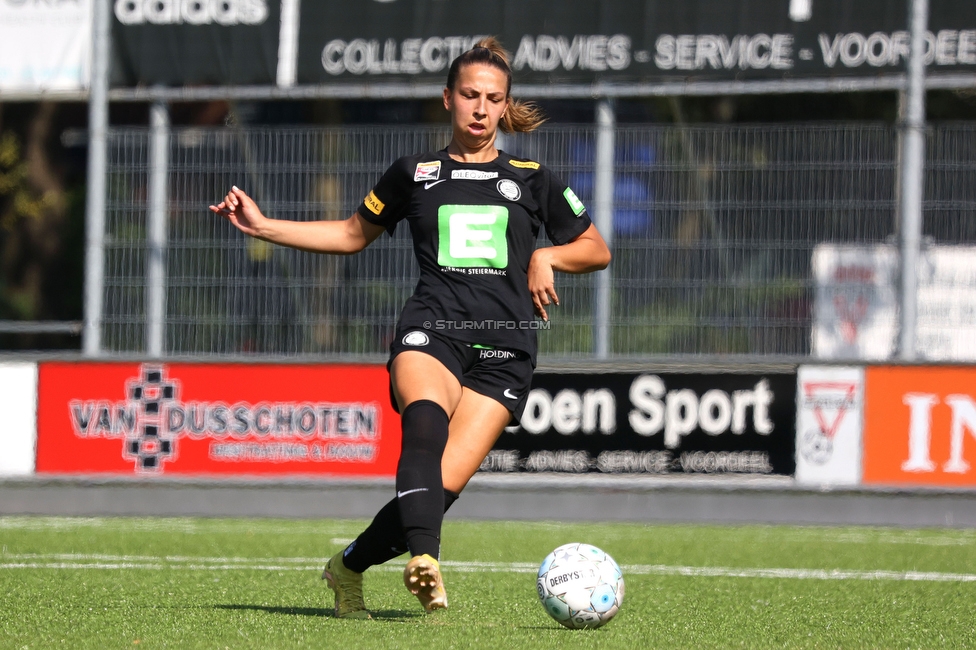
[158,220]
[912,178]
[97,181]
[603,219]
[288,44]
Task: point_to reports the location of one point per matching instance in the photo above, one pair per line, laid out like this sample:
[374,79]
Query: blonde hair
[519,117]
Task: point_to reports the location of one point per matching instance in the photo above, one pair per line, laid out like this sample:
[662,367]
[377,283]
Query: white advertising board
[856,303]
[946,329]
[45,46]
[855,313]
[829,421]
[18,418]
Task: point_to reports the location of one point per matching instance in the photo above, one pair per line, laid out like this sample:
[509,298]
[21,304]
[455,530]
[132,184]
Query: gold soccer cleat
[348,588]
[422,577]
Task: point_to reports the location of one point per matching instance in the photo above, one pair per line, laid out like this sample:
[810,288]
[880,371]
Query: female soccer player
[464,350]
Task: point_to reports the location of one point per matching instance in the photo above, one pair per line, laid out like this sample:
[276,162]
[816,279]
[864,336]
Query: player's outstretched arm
[341,237]
[587,253]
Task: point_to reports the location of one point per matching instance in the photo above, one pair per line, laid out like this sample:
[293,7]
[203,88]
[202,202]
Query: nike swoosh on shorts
[508,394]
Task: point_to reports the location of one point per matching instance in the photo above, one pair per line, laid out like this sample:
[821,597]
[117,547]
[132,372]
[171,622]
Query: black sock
[383,539]
[419,485]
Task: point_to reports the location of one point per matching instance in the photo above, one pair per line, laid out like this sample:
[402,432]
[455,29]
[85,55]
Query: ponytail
[521,117]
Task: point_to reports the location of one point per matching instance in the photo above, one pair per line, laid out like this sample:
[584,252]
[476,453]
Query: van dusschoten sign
[215,419]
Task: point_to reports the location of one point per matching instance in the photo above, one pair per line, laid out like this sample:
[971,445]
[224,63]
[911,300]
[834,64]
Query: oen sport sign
[653,423]
[920,426]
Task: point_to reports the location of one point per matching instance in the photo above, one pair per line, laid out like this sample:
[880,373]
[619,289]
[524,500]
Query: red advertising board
[920,426]
[215,419]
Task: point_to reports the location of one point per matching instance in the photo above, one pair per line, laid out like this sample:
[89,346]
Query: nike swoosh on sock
[406,492]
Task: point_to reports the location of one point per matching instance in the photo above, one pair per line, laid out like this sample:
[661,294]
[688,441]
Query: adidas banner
[208,42]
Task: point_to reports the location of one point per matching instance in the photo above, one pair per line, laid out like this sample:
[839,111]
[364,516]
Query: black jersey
[474,228]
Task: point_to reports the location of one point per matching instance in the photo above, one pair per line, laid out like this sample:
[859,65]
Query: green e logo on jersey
[472,235]
[574,202]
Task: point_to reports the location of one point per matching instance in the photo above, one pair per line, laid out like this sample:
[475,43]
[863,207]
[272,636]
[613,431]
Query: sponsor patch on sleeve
[427,171]
[374,204]
[524,164]
[574,203]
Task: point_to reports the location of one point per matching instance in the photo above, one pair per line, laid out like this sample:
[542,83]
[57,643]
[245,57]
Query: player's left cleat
[348,588]
[422,577]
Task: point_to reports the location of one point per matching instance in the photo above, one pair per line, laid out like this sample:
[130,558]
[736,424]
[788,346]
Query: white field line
[191,563]
[186,525]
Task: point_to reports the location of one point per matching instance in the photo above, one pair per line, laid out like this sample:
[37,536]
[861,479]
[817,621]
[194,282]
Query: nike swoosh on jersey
[430,184]
[508,394]
[406,492]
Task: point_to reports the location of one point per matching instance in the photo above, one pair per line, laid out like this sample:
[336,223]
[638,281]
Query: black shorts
[501,374]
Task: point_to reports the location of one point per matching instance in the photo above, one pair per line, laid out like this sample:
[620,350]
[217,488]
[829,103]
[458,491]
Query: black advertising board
[567,43]
[627,41]
[653,423]
[195,42]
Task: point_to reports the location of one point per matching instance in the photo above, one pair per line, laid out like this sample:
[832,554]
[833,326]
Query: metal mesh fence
[714,229]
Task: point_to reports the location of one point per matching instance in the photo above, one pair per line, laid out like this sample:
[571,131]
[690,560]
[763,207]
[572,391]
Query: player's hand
[542,283]
[239,209]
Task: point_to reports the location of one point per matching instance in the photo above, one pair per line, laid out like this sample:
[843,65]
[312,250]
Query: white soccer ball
[580,586]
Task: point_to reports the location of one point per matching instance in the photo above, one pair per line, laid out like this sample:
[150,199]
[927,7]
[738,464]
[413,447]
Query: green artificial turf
[215,583]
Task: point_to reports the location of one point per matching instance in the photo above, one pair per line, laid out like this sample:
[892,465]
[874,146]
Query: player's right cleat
[348,588]
[422,577]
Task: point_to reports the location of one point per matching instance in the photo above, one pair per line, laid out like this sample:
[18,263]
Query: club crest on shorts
[427,171]
[509,189]
[417,338]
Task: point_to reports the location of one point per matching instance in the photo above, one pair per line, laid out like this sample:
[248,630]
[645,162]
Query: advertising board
[856,302]
[653,424]
[829,417]
[45,46]
[213,42]
[215,419]
[920,426]
[18,427]
[627,41]
[578,43]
